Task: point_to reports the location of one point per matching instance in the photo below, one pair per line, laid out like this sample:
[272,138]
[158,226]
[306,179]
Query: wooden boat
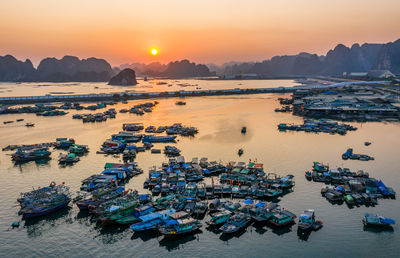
[282,218]
[174,228]
[152,220]
[235,223]
[200,208]
[219,218]
[377,220]
[307,221]
[260,212]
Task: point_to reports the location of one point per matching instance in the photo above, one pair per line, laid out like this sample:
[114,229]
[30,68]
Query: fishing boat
[67,158]
[44,201]
[235,223]
[152,220]
[377,220]
[155,138]
[260,212]
[282,218]
[349,199]
[215,205]
[174,228]
[33,154]
[307,221]
[319,167]
[136,214]
[200,208]
[219,218]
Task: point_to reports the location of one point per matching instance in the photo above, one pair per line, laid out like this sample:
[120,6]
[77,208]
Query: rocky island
[124,78]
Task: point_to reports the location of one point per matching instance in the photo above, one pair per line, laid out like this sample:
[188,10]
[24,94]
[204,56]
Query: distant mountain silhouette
[124,78]
[13,70]
[66,69]
[340,59]
[177,69]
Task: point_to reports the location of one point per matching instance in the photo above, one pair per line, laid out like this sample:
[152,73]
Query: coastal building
[380,74]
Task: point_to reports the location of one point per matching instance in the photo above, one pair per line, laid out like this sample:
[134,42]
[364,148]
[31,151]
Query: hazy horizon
[122,32]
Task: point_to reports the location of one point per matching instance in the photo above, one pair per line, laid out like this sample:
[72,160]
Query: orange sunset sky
[207,31]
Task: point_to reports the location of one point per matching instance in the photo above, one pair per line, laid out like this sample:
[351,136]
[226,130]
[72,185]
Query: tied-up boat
[43,201]
[28,155]
[155,138]
[99,196]
[235,223]
[261,213]
[174,228]
[307,221]
[282,218]
[219,218]
[116,212]
[137,212]
[377,220]
[153,220]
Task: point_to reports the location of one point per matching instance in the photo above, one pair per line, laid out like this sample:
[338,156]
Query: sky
[206,31]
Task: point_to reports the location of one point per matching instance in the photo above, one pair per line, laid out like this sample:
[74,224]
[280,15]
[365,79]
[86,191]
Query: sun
[154,51]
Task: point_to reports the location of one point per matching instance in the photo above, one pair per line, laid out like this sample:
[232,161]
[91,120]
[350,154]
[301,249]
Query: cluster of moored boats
[354,188]
[140,109]
[319,126]
[36,152]
[97,117]
[123,142]
[236,180]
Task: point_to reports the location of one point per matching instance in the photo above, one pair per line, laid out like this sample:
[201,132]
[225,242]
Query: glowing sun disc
[154,51]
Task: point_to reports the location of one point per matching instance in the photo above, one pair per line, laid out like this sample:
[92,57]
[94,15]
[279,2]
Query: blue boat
[174,228]
[46,209]
[377,220]
[155,138]
[152,220]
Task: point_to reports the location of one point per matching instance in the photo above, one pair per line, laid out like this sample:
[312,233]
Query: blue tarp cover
[260,204]
[171,222]
[248,201]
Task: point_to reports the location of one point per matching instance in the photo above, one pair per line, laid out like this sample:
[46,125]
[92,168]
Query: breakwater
[136,95]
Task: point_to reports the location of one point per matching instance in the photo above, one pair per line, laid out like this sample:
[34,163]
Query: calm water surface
[156,85]
[219,120]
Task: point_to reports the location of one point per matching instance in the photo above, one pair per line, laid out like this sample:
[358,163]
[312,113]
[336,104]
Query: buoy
[15,224]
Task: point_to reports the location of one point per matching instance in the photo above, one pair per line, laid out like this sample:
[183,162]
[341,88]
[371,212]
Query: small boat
[367,143]
[261,213]
[349,199]
[8,122]
[308,175]
[215,205]
[244,130]
[29,124]
[200,208]
[240,151]
[19,120]
[137,213]
[179,227]
[152,220]
[235,223]
[377,220]
[307,221]
[219,218]
[282,218]
[154,138]
[319,167]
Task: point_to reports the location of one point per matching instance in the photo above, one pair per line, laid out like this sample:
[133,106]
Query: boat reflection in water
[176,243]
